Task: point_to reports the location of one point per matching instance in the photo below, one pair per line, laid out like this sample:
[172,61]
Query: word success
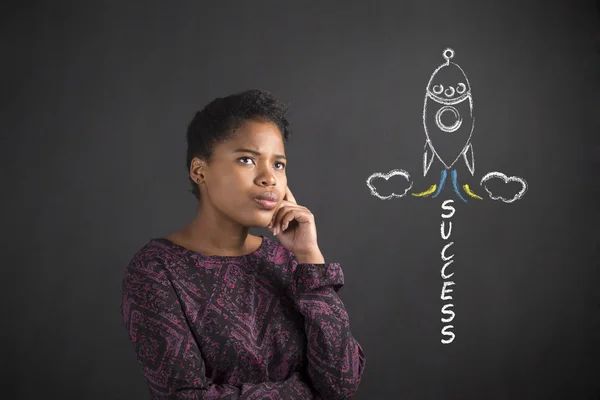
[446,231]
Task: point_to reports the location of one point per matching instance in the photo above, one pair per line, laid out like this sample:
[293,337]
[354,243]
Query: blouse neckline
[185,250]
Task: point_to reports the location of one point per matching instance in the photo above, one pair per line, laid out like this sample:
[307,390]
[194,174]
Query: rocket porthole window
[449,92]
[451,119]
[461,88]
[438,89]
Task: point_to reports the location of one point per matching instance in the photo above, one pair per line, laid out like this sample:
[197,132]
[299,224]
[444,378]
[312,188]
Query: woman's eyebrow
[256,153]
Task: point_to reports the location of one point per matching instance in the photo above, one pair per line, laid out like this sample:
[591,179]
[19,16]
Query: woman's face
[248,164]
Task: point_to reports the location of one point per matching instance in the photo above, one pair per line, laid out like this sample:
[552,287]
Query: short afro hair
[218,120]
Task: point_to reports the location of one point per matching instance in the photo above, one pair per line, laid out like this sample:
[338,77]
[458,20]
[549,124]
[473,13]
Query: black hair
[218,120]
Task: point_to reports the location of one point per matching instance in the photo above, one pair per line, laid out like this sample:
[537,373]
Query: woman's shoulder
[154,255]
[275,251]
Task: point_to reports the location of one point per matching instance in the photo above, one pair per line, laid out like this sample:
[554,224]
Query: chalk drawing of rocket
[448,122]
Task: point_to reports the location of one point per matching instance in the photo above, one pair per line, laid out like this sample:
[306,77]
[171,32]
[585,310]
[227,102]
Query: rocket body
[448,116]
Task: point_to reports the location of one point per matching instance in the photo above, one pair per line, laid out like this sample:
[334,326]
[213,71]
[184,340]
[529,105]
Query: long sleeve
[167,351]
[335,359]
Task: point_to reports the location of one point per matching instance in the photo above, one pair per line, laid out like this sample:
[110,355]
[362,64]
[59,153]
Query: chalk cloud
[505,179]
[401,178]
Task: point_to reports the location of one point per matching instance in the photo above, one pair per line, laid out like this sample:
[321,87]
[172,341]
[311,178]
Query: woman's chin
[258,224]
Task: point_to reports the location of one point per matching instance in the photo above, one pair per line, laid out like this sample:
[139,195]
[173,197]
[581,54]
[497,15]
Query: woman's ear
[196,174]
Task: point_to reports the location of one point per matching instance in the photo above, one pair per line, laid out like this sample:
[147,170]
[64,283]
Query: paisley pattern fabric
[257,326]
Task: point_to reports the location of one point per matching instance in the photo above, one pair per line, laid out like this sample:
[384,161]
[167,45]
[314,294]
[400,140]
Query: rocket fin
[427,157]
[469,157]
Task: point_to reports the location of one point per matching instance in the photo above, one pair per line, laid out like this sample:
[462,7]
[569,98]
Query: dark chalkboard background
[95,102]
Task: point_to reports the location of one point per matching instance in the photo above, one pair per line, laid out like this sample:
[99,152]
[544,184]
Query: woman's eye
[250,158]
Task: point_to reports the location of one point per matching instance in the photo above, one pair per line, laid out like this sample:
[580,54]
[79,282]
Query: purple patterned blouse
[257,326]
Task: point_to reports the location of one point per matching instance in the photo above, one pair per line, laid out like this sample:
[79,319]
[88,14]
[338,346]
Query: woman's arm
[335,359]
[166,350]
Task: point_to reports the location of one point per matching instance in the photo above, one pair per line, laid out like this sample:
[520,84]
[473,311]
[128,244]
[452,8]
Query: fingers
[287,218]
[284,215]
[277,217]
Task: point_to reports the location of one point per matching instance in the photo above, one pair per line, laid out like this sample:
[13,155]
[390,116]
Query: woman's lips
[267,204]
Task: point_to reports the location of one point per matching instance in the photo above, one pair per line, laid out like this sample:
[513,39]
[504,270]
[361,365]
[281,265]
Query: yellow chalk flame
[470,192]
[427,192]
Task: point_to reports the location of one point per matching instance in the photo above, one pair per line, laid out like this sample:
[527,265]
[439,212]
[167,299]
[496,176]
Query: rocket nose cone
[448,82]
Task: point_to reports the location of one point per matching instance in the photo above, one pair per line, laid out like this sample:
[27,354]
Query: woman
[214,312]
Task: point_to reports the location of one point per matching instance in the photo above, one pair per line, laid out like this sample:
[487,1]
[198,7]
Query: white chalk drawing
[505,179]
[387,176]
[442,99]
[449,122]
[447,212]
